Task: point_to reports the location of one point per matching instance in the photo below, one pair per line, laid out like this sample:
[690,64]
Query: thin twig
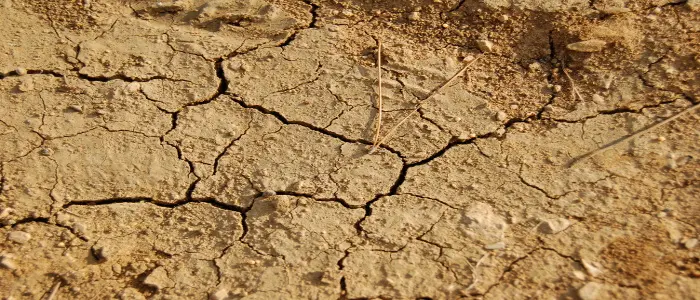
[574,90]
[432,93]
[379,100]
[632,136]
[54,289]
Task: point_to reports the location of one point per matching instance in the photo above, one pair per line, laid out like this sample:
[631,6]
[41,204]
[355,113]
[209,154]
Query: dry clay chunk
[183,241]
[30,43]
[411,273]
[463,175]
[296,159]
[75,105]
[300,228]
[171,78]
[101,164]
[21,114]
[298,243]
[203,132]
[195,228]
[27,185]
[396,220]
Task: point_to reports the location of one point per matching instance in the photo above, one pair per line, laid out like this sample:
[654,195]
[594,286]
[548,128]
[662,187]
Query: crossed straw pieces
[377,141]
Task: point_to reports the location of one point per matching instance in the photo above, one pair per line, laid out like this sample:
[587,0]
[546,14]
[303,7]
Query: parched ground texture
[218,149]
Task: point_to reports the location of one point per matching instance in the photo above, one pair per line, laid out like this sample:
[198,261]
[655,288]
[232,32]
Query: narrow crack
[314,13]
[507,270]
[284,120]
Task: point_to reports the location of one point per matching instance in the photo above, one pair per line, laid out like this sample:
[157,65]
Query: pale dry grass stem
[574,89]
[54,290]
[380,107]
[420,104]
[633,135]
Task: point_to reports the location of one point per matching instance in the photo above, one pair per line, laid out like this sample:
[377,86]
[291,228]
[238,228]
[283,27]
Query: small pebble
[501,116]
[587,46]
[554,226]
[445,25]
[8,263]
[220,294]
[593,269]
[514,106]
[5,212]
[21,71]
[133,87]
[46,152]
[691,243]
[101,112]
[19,237]
[469,58]
[414,16]
[598,99]
[347,13]
[534,67]
[503,18]
[579,275]
[485,45]
[495,246]
[76,108]
[661,138]
[661,214]
[590,291]
[557,88]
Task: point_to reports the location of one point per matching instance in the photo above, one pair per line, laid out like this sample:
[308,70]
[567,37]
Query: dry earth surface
[218,149]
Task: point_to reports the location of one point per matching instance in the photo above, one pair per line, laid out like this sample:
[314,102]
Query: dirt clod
[19,237]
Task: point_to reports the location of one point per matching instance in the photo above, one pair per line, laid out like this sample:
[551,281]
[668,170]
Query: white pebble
[503,18]
[19,237]
[501,116]
[7,263]
[220,294]
[133,87]
[76,108]
[554,226]
[21,71]
[593,268]
[347,13]
[557,88]
[598,99]
[5,212]
[414,16]
[691,243]
[496,246]
[590,291]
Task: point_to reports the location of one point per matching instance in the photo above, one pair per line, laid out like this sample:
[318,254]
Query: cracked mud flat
[218,150]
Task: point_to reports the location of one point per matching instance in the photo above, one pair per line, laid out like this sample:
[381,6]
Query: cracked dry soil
[217,149]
